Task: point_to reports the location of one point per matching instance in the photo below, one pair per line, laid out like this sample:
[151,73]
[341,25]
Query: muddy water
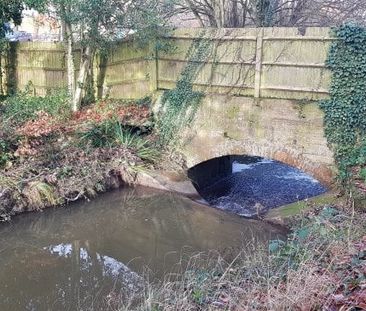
[74,258]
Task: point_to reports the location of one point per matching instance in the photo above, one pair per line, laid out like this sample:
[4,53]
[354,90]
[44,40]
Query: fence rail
[264,63]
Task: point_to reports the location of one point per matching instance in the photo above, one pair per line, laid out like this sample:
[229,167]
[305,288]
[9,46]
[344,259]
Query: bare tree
[241,13]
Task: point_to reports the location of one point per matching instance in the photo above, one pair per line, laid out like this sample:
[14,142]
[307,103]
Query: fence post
[258,64]
[153,70]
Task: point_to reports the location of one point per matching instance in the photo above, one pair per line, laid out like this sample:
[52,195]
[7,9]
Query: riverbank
[50,157]
[321,266]
[54,157]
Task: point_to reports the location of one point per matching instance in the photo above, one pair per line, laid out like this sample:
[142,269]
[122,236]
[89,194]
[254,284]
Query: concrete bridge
[285,130]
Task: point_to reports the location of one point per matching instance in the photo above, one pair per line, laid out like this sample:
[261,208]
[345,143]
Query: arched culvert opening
[249,186]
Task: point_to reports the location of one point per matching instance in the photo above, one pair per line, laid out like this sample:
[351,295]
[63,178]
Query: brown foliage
[46,125]
[351,291]
[49,166]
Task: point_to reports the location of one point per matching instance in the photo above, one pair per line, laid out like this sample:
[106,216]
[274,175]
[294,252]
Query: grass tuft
[113,134]
[40,195]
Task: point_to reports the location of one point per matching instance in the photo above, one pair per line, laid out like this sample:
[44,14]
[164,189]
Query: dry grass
[302,274]
[247,283]
[40,195]
[304,289]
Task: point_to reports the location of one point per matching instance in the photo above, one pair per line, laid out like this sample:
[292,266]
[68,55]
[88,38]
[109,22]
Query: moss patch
[296,208]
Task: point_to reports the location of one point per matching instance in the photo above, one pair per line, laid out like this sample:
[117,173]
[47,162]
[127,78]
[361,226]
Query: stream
[78,257]
[249,186]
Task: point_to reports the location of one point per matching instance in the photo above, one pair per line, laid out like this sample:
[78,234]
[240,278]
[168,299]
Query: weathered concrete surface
[283,215]
[284,130]
[167,181]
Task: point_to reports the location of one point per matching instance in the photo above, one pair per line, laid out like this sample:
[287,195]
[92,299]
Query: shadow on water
[249,186]
[73,258]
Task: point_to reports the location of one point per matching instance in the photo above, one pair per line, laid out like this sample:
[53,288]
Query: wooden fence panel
[127,72]
[284,63]
[293,63]
[265,63]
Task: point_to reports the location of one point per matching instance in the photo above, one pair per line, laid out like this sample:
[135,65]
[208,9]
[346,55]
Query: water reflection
[74,258]
[110,267]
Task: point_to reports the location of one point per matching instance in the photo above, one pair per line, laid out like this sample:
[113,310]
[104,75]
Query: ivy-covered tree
[10,12]
[264,11]
[345,110]
[95,25]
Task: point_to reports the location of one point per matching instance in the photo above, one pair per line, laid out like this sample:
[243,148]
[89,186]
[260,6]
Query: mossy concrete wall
[279,129]
[262,86]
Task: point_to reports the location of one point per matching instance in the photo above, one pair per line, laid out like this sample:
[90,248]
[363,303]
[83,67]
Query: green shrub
[112,133]
[100,135]
[22,107]
[363,174]
[5,154]
[139,145]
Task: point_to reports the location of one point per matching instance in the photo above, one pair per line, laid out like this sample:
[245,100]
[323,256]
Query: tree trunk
[85,64]
[70,61]
[218,12]
[245,12]
[1,75]
[233,21]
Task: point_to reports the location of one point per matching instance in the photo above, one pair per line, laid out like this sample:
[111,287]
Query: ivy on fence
[180,104]
[345,111]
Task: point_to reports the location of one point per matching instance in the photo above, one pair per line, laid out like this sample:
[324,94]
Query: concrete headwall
[283,130]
